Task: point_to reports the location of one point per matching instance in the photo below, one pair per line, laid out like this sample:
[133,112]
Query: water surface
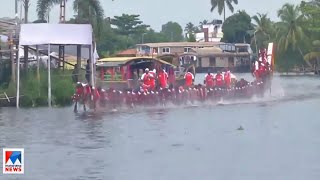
[280,139]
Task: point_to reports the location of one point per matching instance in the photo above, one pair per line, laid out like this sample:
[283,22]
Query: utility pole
[62,20]
[62,11]
[16,37]
[13,72]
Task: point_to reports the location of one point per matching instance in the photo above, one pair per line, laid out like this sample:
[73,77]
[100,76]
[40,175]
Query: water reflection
[157,114]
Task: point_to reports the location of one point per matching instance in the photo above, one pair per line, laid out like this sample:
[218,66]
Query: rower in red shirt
[163,79]
[260,71]
[219,80]
[189,78]
[209,80]
[227,79]
[152,78]
[145,78]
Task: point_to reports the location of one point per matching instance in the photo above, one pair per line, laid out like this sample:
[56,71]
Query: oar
[75,109]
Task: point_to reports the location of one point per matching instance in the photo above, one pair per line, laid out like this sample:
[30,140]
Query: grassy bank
[34,90]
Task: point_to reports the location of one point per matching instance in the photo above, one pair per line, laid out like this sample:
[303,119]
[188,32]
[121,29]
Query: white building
[211,32]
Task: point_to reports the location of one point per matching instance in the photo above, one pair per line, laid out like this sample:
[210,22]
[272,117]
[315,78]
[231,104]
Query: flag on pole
[95,54]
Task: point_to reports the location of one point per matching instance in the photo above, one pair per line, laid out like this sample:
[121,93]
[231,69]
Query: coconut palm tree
[290,33]
[221,5]
[26,5]
[263,30]
[314,55]
[190,28]
[43,7]
[204,22]
[87,11]
[201,23]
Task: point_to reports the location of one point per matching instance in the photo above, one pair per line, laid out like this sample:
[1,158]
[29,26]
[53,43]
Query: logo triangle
[8,154]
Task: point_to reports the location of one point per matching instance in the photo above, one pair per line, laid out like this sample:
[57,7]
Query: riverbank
[34,90]
[296,74]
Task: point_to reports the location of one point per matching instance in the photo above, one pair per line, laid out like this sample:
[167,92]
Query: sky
[156,13]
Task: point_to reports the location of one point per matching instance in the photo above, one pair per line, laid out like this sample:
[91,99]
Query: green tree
[314,55]
[110,42]
[152,36]
[130,27]
[87,11]
[263,31]
[128,24]
[191,38]
[40,21]
[311,24]
[204,22]
[290,33]
[235,28]
[221,5]
[201,23]
[190,30]
[26,5]
[311,12]
[172,31]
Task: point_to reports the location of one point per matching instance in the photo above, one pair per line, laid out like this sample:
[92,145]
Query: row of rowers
[220,80]
[149,78]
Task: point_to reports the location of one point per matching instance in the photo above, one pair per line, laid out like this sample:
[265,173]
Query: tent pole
[91,66]
[18,78]
[49,77]
[38,67]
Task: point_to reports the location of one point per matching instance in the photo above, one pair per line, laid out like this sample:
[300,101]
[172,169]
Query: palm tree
[290,33]
[87,11]
[204,22]
[190,28]
[314,54]
[26,5]
[43,7]
[221,4]
[263,30]
[201,23]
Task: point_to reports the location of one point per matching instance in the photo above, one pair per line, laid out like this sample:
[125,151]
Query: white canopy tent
[54,34]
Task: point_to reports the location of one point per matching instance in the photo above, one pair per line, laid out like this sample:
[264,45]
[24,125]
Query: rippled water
[280,139]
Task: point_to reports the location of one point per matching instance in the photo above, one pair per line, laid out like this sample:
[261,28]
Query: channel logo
[13,161]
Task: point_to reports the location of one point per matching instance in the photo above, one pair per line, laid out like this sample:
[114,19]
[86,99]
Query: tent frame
[91,56]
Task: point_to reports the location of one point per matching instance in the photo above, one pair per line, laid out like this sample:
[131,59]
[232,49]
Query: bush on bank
[35,92]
